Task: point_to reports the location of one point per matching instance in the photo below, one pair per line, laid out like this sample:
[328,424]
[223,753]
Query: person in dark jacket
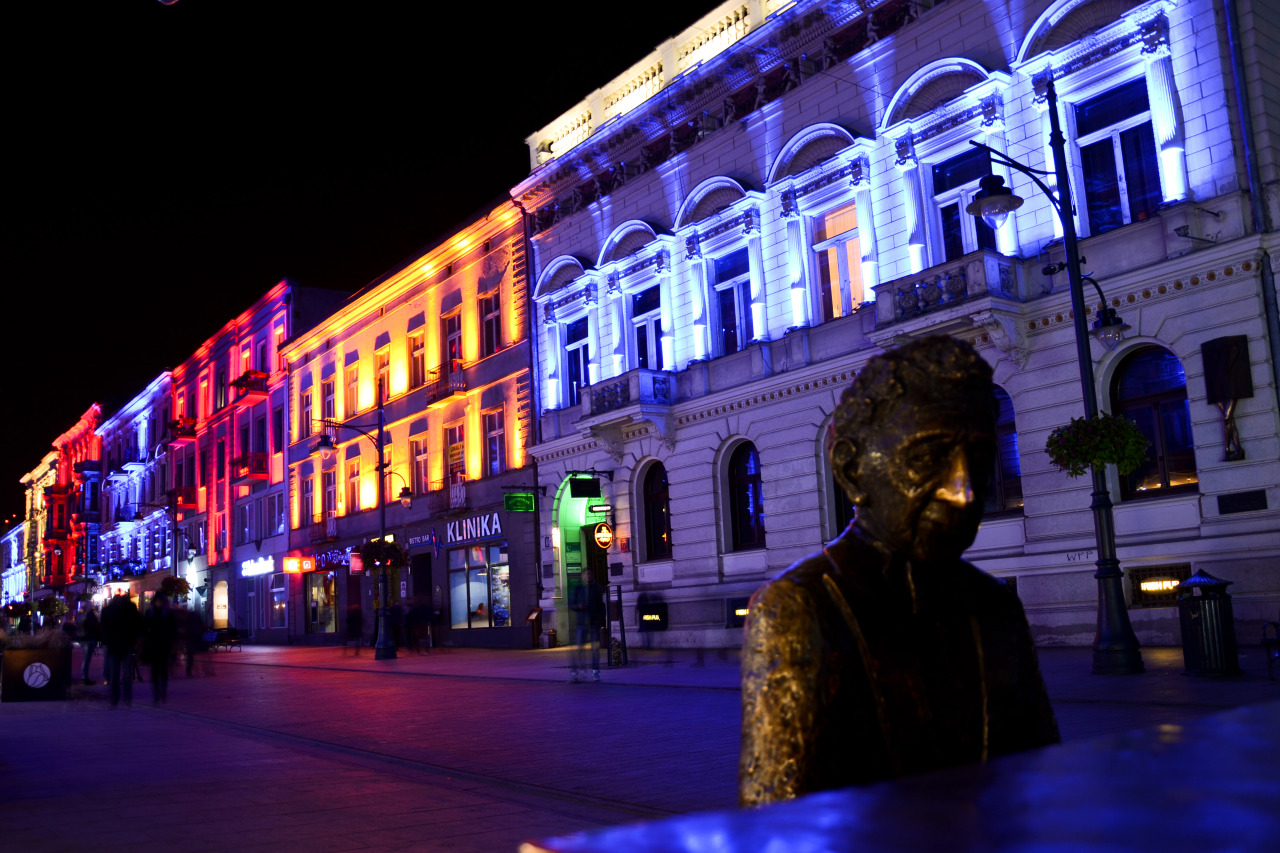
[587,603]
[160,629]
[90,636]
[121,627]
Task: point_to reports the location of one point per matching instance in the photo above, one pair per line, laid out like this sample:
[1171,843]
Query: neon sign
[260,566]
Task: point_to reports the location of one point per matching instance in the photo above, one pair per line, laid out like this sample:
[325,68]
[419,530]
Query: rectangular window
[329,481]
[329,405]
[417,360]
[731,278]
[222,390]
[260,435]
[304,416]
[452,326]
[262,358]
[277,429]
[838,259]
[491,318]
[273,523]
[646,317]
[382,373]
[307,502]
[955,182]
[279,599]
[351,396]
[1118,157]
[421,466]
[578,351]
[455,444]
[353,486]
[246,516]
[495,443]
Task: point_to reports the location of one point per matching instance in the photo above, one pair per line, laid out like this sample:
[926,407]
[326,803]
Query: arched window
[745,505]
[657,513]
[845,511]
[1150,387]
[1005,494]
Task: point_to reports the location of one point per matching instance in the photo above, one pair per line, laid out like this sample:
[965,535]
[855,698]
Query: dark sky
[169,164]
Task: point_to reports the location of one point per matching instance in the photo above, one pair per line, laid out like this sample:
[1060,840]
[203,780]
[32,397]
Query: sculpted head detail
[913,446]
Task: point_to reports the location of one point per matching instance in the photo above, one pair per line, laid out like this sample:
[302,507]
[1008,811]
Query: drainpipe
[1260,225]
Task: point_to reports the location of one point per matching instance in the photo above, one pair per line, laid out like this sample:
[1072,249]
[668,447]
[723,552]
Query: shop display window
[479,587]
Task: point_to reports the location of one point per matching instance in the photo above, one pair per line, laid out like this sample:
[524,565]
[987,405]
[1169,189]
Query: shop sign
[327,560]
[260,566]
[603,535]
[296,565]
[475,527]
[518,501]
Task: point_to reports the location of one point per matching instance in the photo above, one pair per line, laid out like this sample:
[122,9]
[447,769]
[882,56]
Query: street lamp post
[1115,647]
[385,648]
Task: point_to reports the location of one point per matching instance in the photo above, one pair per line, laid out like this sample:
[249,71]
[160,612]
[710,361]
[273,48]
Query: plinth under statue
[885,654]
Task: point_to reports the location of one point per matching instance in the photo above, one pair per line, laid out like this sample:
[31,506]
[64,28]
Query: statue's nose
[956,488]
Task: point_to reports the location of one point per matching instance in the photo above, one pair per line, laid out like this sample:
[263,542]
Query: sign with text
[518,501]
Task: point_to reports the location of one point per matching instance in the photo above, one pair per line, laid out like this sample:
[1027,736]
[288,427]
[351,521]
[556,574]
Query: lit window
[955,182]
[353,486]
[646,318]
[455,442]
[1118,157]
[417,360]
[746,506]
[306,502]
[382,372]
[329,411]
[421,466]
[731,281]
[838,259]
[578,357]
[495,445]
[491,312]
[329,480]
[1150,388]
[351,394]
[452,342]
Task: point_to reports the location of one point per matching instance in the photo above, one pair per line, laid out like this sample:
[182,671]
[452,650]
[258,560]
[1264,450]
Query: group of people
[129,637]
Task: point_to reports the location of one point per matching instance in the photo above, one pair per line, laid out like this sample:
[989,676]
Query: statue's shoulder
[793,587]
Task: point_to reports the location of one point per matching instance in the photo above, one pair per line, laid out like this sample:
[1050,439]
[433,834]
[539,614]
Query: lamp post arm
[339,425]
[1005,160]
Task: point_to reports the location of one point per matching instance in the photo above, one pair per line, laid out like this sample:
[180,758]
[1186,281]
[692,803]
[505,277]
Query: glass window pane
[728,321]
[732,265]
[459,607]
[952,239]
[1111,107]
[965,168]
[1152,371]
[1179,450]
[500,595]
[478,589]
[646,301]
[576,331]
[829,282]
[1101,186]
[853,261]
[1147,477]
[835,222]
[642,346]
[1141,173]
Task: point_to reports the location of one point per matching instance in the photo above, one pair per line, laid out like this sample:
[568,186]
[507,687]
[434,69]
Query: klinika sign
[476,527]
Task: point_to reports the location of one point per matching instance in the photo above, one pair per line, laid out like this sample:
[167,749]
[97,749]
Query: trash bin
[549,638]
[1208,626]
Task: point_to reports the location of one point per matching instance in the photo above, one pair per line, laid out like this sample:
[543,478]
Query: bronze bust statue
[885,654]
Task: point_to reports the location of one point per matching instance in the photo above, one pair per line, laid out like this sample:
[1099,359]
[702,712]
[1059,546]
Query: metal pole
[1115,647]
[385,648]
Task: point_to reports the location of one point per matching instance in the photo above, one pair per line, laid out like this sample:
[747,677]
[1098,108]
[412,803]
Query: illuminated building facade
[40,483]
[78,491]
[225,466]
[137,531]
[13,565]
[725,233]
[443,342]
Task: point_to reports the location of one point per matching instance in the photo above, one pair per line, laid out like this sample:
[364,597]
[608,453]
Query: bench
[224,638]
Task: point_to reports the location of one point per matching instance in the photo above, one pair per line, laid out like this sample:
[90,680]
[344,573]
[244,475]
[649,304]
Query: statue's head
[913,445]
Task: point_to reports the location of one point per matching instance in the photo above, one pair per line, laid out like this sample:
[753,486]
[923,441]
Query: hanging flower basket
[379,553]
[1103,440]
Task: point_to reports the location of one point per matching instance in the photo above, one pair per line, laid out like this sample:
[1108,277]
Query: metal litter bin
[1208,626]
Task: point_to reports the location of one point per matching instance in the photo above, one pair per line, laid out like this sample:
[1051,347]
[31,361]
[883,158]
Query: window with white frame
[353,486]
[955,182]
[1117,157]
[455,444]
[452,327]
[731,284]
[304,416]
[329,481]
[491,319]
[306,501]
[273,524]
[421,466]
[246,518]
[417,360]
[838,261]
[495,443]
[578,361]
[351,395]
[646,319]
[382,372]
[329,402]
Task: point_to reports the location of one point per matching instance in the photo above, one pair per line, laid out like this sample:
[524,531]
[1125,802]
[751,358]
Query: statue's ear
[844,466]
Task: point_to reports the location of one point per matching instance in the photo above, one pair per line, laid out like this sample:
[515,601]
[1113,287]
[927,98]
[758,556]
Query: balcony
[635,396]
[325,529]
[442,384]
[444,498]
[941,288]
[184,498]
[125,514]
[249,468]
[123,466]
[182,431]
[250,386]
[85,467]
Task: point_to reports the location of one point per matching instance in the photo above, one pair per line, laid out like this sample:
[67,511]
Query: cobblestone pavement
[308,748]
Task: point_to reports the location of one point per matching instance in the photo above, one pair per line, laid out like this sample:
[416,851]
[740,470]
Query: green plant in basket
[1102,440]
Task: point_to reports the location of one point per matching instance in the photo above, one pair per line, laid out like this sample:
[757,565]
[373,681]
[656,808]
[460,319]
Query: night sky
[168,164]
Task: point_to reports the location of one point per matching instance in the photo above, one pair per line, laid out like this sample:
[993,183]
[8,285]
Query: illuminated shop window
[746,505]
[731,282]
[955,182]
[578,358]
[1118,157]
[322,603]
[279,601]
[1150,387]
[479,587]
[838,260]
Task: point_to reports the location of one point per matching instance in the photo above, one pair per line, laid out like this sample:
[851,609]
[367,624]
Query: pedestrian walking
[160,629]
[587,603]
[121,625]
[90,636]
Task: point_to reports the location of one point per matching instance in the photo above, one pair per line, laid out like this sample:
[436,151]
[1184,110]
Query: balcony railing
[250,386]
[445,497]
[249,467]
[182,430]
[325,529]
[184,497]
[442,384]
[644,387]
[976,274]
